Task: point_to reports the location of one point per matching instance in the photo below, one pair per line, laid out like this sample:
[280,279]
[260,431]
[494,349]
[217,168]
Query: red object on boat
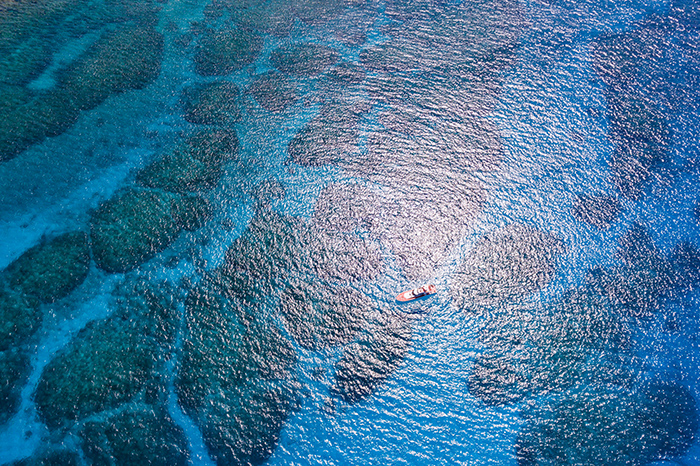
[410,295]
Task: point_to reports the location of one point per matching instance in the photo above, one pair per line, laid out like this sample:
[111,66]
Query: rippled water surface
[207,209]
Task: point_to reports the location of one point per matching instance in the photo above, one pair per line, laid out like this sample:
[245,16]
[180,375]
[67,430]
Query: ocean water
[207,209]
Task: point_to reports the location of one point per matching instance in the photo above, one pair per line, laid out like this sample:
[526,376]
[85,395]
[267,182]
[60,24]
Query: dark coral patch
[580,319]
[131,228]
[672,417]
[304,59]
[127,58]
[191,212]
[271,248]
[319,316]
[639,127]
[347,74]
[685,260]
[214,103]
[195,165]
[20,316]
[496,380]
[223,51]
[254,349]
[105,366]
[368,362]
[319,11]
[25,62]
[643,279]
[111,361]
[30,117]
[234,378]
[331,136]
[344,258]
[136,436]
[51,270]
[271,16]
[345,207]
[52,458]
[247,430]
[14,371]
[506,264]
[274,91]
[610,425]
[599,211]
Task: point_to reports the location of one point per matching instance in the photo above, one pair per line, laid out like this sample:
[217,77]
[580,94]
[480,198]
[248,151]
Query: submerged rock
[195,165]
[320,316]
[131,228]
[14,371]
[125,59]
[51,270]
[213,103]
[140,435]
[505,265]
[223,51]
[599,211]
[304,59]
[274,91]
[368,362]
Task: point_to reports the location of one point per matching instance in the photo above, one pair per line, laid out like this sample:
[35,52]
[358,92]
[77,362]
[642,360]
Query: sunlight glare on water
[209,207]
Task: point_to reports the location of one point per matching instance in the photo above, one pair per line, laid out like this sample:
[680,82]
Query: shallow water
[252,184]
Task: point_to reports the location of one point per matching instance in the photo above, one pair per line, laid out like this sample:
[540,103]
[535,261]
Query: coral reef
[241,392]
[223,51]
[51,270]
[20,316]
[136,436]
[599,211]
[610,425]
[109,362]
[131,228]
[319,316]
[274,91]
[304,59]
[14,371]
[195,165]
[366,363]
[212,103]
[329,137]
[125,59]
[506,265]
[642,280]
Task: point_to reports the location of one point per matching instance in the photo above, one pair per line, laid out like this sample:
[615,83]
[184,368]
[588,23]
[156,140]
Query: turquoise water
[208,208]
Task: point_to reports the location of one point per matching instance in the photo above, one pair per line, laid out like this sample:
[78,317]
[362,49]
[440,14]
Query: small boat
[420,292]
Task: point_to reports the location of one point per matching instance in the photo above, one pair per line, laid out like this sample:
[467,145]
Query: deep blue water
[207,209]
